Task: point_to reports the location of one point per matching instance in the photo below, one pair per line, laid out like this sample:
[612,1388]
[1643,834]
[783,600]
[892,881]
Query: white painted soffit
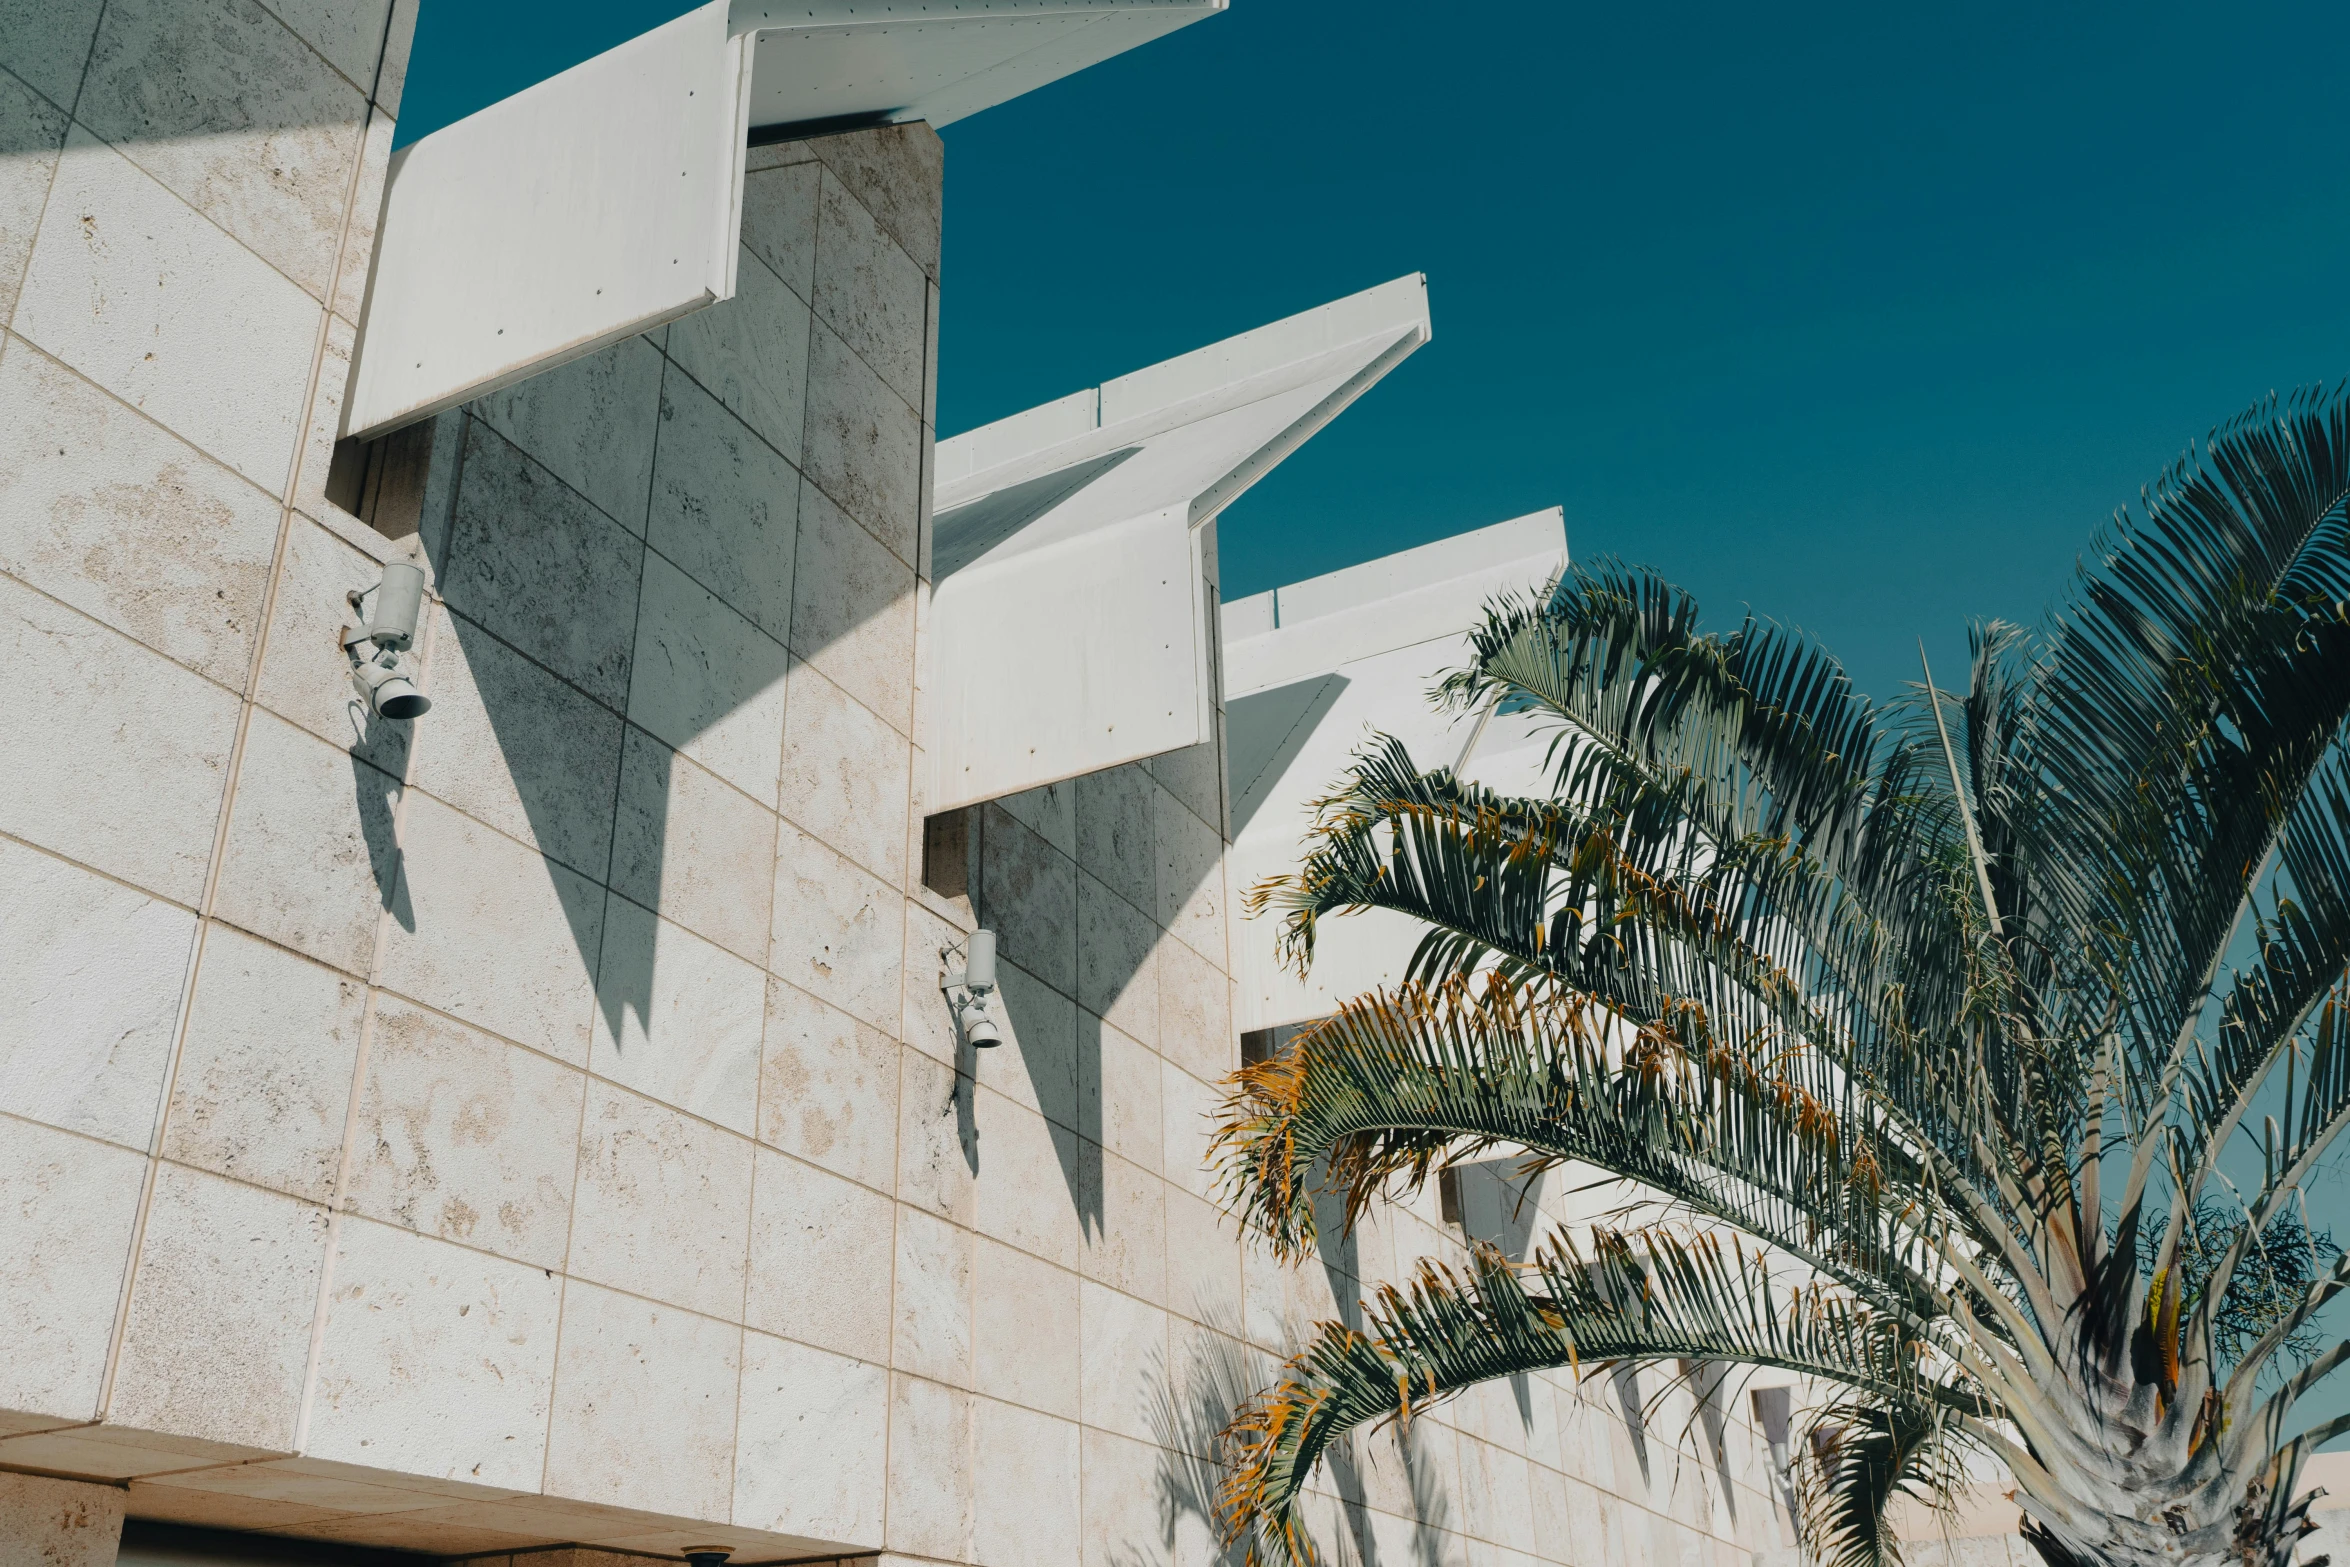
[1069,626]
[607,200]
[934,60]
[1311,672]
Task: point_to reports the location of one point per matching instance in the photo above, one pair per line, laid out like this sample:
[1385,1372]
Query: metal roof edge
[1389,312]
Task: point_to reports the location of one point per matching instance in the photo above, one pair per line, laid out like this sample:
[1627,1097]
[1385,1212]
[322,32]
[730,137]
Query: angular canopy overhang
[1070,625]
[607,200]
[1311,672]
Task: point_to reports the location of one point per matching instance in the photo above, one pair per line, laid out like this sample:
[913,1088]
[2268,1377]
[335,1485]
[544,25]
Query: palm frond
[1651,1295]
[1863,1458]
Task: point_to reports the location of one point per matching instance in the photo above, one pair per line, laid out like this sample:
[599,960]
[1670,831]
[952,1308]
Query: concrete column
[58,1523]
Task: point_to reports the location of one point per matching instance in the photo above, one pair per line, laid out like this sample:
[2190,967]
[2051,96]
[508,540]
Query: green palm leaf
[1889,1005]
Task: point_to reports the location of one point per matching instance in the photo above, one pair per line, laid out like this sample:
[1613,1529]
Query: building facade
[539,1127]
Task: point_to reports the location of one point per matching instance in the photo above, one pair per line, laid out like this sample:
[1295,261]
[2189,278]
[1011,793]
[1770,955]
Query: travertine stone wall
[187,194]
[543,1124]
[58,1523]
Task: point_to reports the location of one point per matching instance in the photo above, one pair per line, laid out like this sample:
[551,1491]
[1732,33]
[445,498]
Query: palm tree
[1974,1052]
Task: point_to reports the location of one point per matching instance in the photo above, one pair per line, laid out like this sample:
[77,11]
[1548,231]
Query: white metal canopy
[1311,671]
[607,200]
[1069,626]
[934,60]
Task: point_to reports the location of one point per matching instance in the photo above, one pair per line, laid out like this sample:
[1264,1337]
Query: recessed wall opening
[946,852]
[1259,1045]
[381,482]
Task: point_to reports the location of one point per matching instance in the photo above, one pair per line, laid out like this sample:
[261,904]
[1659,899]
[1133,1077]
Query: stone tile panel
[1116,834]
[1121,1522]
[466,1137]
[435,1361]
[1025,1486]
[311,858]
[853,614]
[224,105]
[845,775]
[1029,892]
[812,1446]
[821,1256]
[1124,1346]
[350,33]
[644,1409]
[779,216]
[391,73]
[1129,1248]
[927,1024]
[537,566]
[1036,1182]
[218,1334]
[696,849]
[514,747]
[1190,877]
[264,1080]
[828,1088]
[1195,1013]
[751,351]
[323,421]
[357,256]
[496,935]
[592,423]
[47,43]
[138,292]
[664,1204]
[1045,1051]
[708,681]
[930,1473]
[111,710]
[1117,972]
[1024,1330]
[870,291]
[32,130]
[725,507]
[1050,812]
[94,970]
[897,173]
[678,1018]
[938,1139]
[839,931]
[1122,1096]
[1203,1261]
[1195,777]
[71,1205]
[931,1309]
[864,444]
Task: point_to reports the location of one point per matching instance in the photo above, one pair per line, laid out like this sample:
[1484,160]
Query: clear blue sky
[1862,315]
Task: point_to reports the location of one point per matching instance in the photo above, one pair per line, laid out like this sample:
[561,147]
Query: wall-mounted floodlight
[387,629]
[975,978]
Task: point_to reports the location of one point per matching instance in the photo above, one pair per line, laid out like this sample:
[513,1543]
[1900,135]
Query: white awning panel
[608,199]
[1069,626]
[1310,672]
[599,203]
